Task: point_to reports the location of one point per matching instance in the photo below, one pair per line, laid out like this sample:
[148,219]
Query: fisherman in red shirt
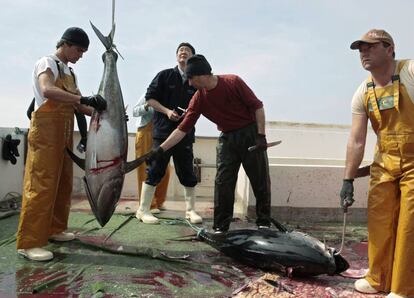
[227,101]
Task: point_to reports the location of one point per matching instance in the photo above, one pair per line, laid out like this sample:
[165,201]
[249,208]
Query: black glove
[95,101]
[9,149]
[126,117]
[154,155]
[82,145]
[261,142]
[347,194]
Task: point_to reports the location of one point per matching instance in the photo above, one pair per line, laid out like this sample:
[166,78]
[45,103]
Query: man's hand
[173,115]
[261,142]
[95,101]
[347,194]
[154,155]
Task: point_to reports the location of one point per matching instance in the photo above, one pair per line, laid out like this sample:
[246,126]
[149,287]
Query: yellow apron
[48,177]
[391,190]
[143,144]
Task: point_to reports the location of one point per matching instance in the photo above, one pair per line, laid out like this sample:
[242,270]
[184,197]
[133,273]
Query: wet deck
[129,259]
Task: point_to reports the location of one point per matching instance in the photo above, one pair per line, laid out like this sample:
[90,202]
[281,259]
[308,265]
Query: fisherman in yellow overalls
[143,144]
[47,184]
[386,99]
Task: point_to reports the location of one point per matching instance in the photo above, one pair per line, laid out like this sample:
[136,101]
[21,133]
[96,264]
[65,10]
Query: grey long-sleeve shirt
[144,115]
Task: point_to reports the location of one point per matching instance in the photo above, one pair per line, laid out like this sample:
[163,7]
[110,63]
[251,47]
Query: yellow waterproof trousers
[143,144]
[48,179]
[391,218]
[391,191]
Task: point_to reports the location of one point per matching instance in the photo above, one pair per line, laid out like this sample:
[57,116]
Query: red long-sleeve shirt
[231,105]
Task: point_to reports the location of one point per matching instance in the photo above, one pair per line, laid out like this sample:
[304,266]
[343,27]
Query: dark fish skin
[293,253]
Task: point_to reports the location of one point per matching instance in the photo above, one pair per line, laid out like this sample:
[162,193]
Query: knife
[252,148]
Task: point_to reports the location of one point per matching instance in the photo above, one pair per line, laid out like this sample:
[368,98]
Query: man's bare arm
[49,90]
[356,145]
[175,137]
[260,120]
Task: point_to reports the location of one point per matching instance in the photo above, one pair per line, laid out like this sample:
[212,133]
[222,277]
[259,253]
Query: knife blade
[271,144]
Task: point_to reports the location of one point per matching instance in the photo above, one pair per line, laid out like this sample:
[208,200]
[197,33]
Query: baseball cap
[373,36]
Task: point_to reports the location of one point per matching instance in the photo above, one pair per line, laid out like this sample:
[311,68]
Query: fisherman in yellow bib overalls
[47,184]
[143,144]
[386,99]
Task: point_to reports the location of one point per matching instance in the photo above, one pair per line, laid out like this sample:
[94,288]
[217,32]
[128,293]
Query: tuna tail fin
[135,163]
[79,161]
[106,40]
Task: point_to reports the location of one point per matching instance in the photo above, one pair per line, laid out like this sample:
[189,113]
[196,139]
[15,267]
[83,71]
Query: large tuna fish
[293,253]
[107,146]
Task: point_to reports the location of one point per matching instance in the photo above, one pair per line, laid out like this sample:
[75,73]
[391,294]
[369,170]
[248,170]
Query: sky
[294,54]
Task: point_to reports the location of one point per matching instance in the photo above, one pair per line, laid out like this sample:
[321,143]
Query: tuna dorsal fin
[79,161]
[135,163]
[106,40]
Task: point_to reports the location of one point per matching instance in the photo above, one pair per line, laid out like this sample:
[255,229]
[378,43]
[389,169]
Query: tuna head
[340,263]
[103,192]
[314,256]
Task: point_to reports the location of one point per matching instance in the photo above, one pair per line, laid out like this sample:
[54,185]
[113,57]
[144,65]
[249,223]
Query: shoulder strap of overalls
[396,83]
[72,73]
[396,91]
[70,69]
[373,99]
[60,71]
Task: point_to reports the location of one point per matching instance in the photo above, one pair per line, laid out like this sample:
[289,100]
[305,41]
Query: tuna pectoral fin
[79,161]
[135,163]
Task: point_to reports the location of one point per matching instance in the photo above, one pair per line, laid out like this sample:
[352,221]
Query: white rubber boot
[363,286]
[189,206]
[143,213]
[63,236]
[36,254]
